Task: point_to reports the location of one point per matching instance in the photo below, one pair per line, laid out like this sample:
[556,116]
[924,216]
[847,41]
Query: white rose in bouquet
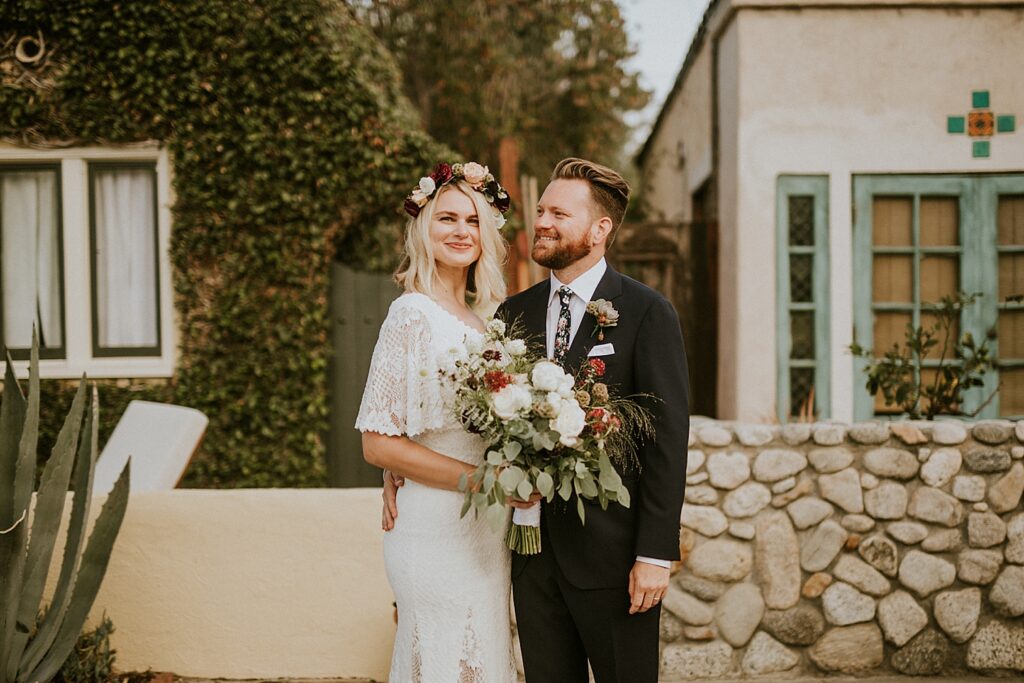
[474,173]
[427,185]
[496,327]
[512,400]
[569,423]
[548,376]
[516,347]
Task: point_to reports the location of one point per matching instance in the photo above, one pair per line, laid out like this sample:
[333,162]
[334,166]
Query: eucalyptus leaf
[545,484]
[511,477]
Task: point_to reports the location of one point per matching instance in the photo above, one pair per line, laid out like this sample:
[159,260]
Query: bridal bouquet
[546,430]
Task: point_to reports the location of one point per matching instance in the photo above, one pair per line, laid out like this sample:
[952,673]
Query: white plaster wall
[256,583]
[845,92]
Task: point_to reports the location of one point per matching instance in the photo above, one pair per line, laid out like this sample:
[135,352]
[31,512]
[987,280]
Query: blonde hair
[485,283]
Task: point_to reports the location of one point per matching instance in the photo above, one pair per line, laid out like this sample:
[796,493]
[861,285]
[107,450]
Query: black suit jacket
[650,359]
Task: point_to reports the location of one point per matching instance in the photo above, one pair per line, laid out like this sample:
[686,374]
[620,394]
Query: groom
[594,592]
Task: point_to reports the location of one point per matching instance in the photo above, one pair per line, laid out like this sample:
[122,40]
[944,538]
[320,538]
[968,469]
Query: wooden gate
[359,303]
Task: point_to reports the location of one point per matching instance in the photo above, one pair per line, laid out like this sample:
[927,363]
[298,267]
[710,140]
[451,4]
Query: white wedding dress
[450,575]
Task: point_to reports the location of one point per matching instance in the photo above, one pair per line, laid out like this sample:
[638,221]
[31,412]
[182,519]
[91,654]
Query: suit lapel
[535,315]
[609,288]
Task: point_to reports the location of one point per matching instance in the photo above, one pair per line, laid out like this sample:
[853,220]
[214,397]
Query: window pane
[801,221]
[801,277]
[1011,219]
[892,279]
[1011,391]
[890,328]
[1011,275]
[939,277]
[892,222]
[803,335]
[1011,335]
[125,249]
[31,258]
[939,222]
[801,386]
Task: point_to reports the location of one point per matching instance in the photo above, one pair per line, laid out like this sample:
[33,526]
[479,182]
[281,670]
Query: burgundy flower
[501,203]
[441,174]
[411,207]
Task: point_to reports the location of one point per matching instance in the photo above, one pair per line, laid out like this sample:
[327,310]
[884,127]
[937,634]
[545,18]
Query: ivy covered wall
[291,146]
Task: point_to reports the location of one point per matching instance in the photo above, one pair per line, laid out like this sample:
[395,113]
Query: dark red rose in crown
[441,174]
[597,366]
[503,204]
[412,208]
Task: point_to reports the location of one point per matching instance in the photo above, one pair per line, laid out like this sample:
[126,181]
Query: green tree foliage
[291,145]
[550,74]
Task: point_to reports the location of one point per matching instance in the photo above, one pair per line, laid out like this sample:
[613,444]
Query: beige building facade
[841,165]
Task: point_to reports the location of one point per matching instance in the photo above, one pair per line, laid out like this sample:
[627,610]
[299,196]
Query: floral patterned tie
[564,325]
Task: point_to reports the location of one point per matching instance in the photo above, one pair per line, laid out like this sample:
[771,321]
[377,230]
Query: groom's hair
[609,190]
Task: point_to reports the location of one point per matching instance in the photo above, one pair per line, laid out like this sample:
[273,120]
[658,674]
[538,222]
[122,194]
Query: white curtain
[31,259]
[126,278]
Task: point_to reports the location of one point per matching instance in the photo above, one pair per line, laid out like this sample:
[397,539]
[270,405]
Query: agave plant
[33,647]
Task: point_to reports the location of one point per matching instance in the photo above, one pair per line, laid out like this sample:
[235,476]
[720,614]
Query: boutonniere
[606,316]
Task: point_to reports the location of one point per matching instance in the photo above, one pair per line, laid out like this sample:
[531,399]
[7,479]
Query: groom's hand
[525,504]
[390,513]
[647,586]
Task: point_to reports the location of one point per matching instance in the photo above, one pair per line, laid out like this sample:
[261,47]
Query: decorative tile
[980,124]
[955,124]
[1006,123]
[979,99]
[980,148]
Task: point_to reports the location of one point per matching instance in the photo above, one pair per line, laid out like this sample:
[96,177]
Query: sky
[660,31]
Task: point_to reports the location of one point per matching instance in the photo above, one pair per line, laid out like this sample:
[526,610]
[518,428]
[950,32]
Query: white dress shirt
[583,288]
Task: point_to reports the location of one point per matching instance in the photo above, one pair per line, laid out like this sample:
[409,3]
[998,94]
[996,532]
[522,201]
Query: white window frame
[74,183]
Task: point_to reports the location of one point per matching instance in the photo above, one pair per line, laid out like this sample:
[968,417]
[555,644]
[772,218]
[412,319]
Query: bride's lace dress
[450,576]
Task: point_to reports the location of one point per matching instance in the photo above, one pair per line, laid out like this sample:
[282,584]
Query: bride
[450,575]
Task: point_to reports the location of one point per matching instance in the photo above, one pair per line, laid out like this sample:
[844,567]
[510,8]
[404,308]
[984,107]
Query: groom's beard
[560,254]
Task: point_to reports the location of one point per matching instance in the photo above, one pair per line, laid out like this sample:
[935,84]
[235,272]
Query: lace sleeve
[397,398]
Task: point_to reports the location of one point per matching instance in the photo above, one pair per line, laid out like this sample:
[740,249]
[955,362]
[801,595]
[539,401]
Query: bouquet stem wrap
[524,534]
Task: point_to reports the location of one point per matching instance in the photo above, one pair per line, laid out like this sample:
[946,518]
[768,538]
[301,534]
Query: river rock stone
[795,433]
[1017,452]
[932,505]
[778,553]
[888,501]
[861,575]
[1014,550]
[941,466]
[754,435]
[802,488]
[1005,494]
[908,433]
[928,654]
[704,519]
[801,625]
[979,567]
[816,585]
[786,484]
[700,632]
[721,560]
[686,661]
[859,523]
[747,500]
[844,605]
[818,551]
[985,530]
[992,432]
[738,613]
[869,433]
[728,470]
[687,608]
[880,553]
[925,574]
[1018,429]
[743,530]
[987,460]
[1007,594]
[948,433]
[829,434]
[765,655]
[849,649]
[998,647]
[670,628]
[714,435]
[957,613]
[775,464]
[943,540]
[868,481]
[830,460]
[969,487]
[701,495]
[806,512]
[901,617]
[910,533]
[843,489]
[698,478]
[694,460]
[702,588]
[894,463]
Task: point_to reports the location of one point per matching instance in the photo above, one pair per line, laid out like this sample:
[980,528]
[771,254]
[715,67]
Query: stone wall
[864,549]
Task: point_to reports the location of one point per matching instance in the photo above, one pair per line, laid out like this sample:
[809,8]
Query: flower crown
[478,177]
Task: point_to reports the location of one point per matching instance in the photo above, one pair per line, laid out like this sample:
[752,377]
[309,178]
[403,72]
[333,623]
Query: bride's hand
[525,504]
[392,482]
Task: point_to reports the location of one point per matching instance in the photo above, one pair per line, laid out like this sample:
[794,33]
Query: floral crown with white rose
[477,176]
